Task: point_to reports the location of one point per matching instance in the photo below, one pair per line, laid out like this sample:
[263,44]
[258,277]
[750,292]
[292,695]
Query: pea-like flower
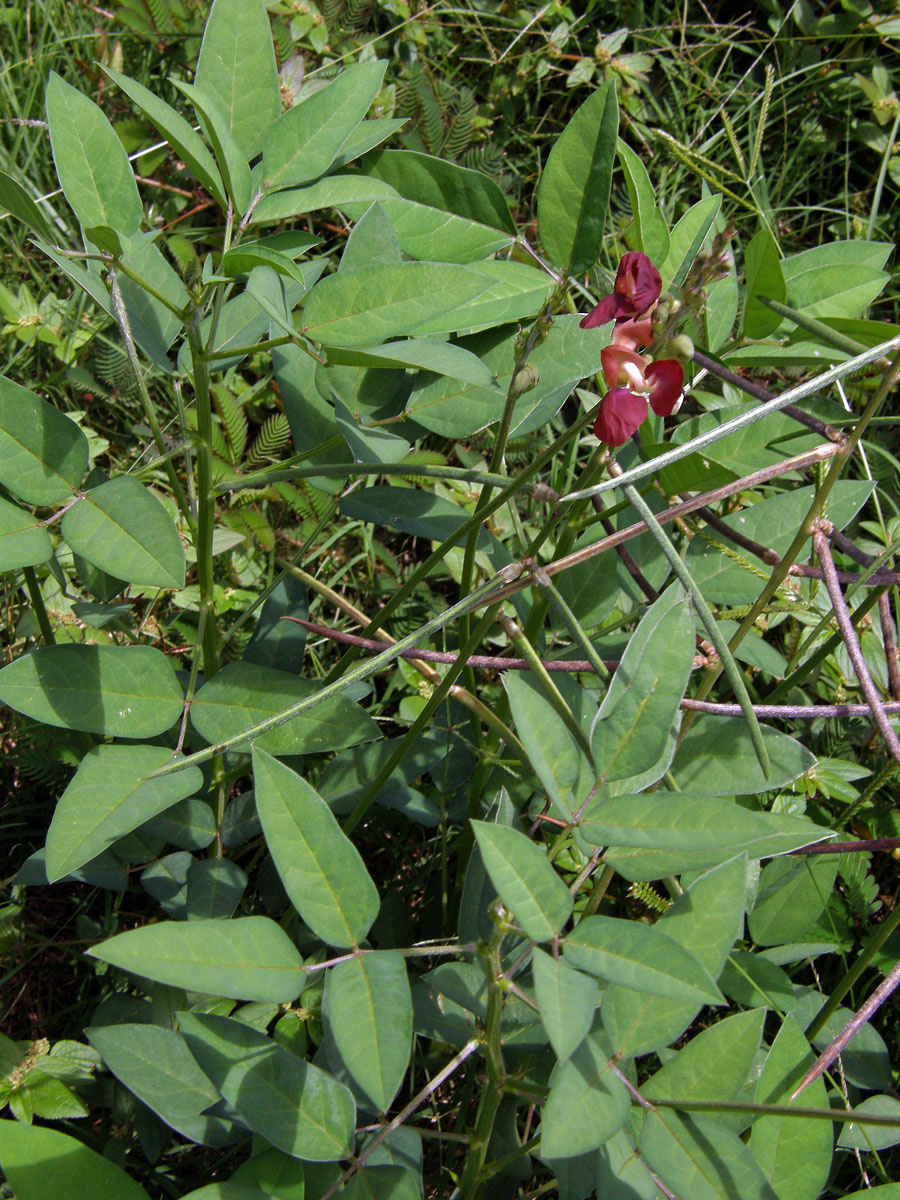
[635,293]
[633,382]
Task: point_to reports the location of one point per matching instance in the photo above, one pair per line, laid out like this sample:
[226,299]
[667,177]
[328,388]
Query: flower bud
[680,346]
[525,380]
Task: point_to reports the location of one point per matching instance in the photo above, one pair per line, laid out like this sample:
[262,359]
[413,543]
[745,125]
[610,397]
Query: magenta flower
[635,293]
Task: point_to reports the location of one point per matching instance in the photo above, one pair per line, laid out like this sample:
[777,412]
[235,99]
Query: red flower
[635,292]
[624,409]
[621,413]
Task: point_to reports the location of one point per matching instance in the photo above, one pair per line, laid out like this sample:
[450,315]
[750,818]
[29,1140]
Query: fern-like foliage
[858,885]
[161,19]
[112,368]
[234,421]
[649,897]
[272,438]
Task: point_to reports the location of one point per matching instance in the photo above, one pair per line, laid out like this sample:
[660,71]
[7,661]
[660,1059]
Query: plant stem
[848,633]
[471,1186]
[822,331]
[341,470]
[149,408]
[36,597]
[206,503]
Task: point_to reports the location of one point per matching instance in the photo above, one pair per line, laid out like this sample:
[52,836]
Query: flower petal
[621,413]
[616,360]
[666,379]
[631,333]
[610,308]
[639,280]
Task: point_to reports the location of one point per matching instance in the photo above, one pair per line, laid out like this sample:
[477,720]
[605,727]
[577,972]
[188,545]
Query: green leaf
[106,800]
[650,224]
[369,445]
[631,731]
[794,1155]
[231,158]
[428,354]
[573,194]
[686,239]
[717,757]
[243,694]
[276,642]
[559,762]
[321,869]
[837,279]
[366,136]
[237,69]
[155,1064]
[714,1065]
[515,292]
[120,691]
[872,1137]
[244,258]
[88,282]
[38,1163]
[214,889]
[446,186]
[420,513]
[19,204]
[586,1105]
[664,833]
[369,1010]
[706,921]
[383,1183]
[639,957]
[24,541]
[764,278]
[700,1158]
[178,133]
[372,242]
[247,958]
[93,168]
[293,1105]
[357,308]
[43,455]
[567,1001]
[752,980]
[792,894]
[333,192]
[275,1173]
[123,529]
[166,881]
[525,880]
[457,409]
[304,142]
[190,824]
[434,234]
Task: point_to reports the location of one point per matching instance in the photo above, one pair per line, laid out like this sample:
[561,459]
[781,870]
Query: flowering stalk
[634,379]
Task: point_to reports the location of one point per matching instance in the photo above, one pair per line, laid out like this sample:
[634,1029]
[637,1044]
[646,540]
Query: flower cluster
[632,378]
